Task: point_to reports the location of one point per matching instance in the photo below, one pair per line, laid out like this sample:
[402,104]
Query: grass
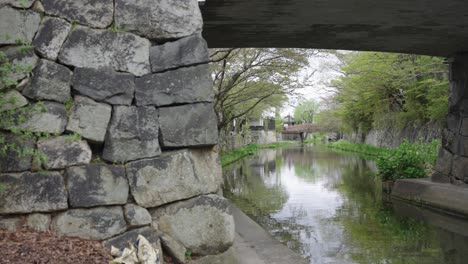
[409,160]
[359,148]
[229,157]
[316,138]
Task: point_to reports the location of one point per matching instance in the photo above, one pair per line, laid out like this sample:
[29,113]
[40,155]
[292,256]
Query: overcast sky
[323,66]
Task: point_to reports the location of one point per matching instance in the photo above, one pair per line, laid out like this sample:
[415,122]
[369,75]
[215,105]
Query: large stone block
[17,25]
[444,162]
[12,100]
[96,184]
[51,36]
[10,223]
[184,85]
[18,3]
[14,161]
[89,119]
[50,81]
[64,151]
[95,13]
[32,192]
[188,125]
[183,52]
[204,224]
[105,85]
[171,177]
[20,58]
[459,166]
[94,48]
[453,123]
[159,19]
[136,215]
[132,134]
[206,162]
[228,257]
[174,248]
[45,117]
[98,223]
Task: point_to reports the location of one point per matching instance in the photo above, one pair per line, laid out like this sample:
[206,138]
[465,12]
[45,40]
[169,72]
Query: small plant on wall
[13,111]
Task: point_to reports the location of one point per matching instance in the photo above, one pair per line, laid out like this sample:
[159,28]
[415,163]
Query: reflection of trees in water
[372,230]
[454,247]
[244,185]
[312,166]
[289,231]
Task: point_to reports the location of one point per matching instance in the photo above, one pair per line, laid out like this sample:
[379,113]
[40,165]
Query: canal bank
[253,245]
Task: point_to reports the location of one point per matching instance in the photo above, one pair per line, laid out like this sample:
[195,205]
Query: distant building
[262,124]
[288,121]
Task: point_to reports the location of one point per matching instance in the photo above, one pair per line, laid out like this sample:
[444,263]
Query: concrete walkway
[254,245]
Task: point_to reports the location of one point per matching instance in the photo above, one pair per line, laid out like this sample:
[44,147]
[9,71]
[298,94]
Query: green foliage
[328,120]
[188,254]
[408,161]
[234,155]
[382,90]
[13,118]
[316,137]
[278,121]
[115,28]
[9,70]
[306,111]
[73,137]
[23,3]
[359,148]
[68,106]
[249,81]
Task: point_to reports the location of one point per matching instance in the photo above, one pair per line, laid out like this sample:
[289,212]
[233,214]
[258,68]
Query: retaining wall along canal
[132,80]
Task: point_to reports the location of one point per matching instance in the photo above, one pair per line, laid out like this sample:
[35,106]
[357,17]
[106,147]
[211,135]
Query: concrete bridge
[429,27]
[299,132]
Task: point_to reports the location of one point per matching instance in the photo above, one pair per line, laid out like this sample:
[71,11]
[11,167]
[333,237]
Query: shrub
[408,161]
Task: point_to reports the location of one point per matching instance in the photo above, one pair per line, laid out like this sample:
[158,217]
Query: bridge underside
[438,28]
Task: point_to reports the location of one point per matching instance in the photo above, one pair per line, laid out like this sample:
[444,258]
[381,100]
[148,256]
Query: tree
[249,81]
[278,121]
[306,111]
[380,90]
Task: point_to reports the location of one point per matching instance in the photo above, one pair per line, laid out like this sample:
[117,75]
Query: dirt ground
[27,247]
[32,247]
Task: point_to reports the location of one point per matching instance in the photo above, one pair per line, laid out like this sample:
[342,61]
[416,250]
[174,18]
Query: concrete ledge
[444,197]
[254,245]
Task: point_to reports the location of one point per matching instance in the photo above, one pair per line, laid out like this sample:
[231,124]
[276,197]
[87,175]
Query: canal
[328,206]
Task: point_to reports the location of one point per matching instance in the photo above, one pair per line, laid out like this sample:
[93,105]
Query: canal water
[327,206]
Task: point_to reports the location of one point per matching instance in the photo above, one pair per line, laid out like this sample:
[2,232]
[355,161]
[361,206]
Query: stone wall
[260,137]
[127,124]
[393,137]
[453,156]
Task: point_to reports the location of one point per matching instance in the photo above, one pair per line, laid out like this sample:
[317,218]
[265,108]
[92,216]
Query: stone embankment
[131,79]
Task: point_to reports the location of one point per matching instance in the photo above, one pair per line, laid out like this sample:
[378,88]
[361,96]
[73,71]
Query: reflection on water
[328,207]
